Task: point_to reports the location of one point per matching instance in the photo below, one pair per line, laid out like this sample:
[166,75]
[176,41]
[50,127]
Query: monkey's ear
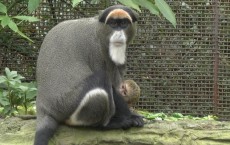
[103,16]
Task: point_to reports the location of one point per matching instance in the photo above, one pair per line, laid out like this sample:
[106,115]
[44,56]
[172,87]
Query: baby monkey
[130,91]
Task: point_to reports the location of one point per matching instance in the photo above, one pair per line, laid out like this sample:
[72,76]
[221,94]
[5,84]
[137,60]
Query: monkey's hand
[137,120]
[134,120]
[117,123]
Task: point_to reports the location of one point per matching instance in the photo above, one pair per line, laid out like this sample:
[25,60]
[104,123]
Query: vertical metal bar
[216,56]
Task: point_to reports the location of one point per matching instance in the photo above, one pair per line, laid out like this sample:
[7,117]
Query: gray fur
[72,51]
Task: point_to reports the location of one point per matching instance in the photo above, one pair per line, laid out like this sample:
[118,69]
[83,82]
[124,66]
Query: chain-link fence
[184,69]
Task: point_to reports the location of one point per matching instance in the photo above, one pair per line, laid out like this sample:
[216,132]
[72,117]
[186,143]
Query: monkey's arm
[122,70]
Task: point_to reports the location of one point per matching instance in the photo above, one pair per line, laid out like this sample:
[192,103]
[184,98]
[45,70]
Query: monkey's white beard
[117,47]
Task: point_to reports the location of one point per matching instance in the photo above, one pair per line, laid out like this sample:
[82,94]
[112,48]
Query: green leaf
[10,74]
[19,77]
[76,2]
[1,110]
[166,11]
[95,1]
[177,115]
[3,8]
[13,26]
[30,85]
[130,3]
[32,89]
[30,95]
[1,17]
[27,18]
[33,5]
[13,74]
[3,79]
[23,88]
[24,36]
[5,21]
[148,5]
[171,119]
[7,71]
[3,100]
[7,110]
[12,83]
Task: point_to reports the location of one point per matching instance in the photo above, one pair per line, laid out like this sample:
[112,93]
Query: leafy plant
[13,21]
[156,7]
[173,117]
[14,94]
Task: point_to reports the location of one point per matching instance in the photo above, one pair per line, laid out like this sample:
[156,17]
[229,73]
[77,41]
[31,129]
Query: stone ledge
[14,131]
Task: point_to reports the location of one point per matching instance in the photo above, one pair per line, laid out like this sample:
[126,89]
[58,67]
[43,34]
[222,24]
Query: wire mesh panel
[15,52]
[184,69]
[175,66]
[224,59]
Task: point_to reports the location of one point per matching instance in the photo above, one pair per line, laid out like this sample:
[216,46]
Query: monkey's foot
[137,120]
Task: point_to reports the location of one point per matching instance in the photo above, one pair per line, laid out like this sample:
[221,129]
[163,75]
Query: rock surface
[15,131]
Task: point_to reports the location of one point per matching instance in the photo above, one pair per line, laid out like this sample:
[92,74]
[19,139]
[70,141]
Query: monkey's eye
[113,23]
[118,23]
[124,24]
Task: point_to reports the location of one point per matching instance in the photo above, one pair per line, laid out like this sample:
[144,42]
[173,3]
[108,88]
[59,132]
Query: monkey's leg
[45,130]
[123,117]
[96,106]
[93,109]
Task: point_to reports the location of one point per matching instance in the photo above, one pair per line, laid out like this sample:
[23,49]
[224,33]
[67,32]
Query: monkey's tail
[26,117]
[46,127]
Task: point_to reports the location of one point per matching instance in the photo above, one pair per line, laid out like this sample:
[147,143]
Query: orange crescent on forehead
[118,13]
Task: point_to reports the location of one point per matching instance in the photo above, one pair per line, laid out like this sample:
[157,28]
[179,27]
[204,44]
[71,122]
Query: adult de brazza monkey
[79,70]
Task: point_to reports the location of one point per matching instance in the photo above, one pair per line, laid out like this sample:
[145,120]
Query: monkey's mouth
[119,43]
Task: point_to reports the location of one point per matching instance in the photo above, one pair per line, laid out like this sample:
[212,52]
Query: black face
[118,23]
